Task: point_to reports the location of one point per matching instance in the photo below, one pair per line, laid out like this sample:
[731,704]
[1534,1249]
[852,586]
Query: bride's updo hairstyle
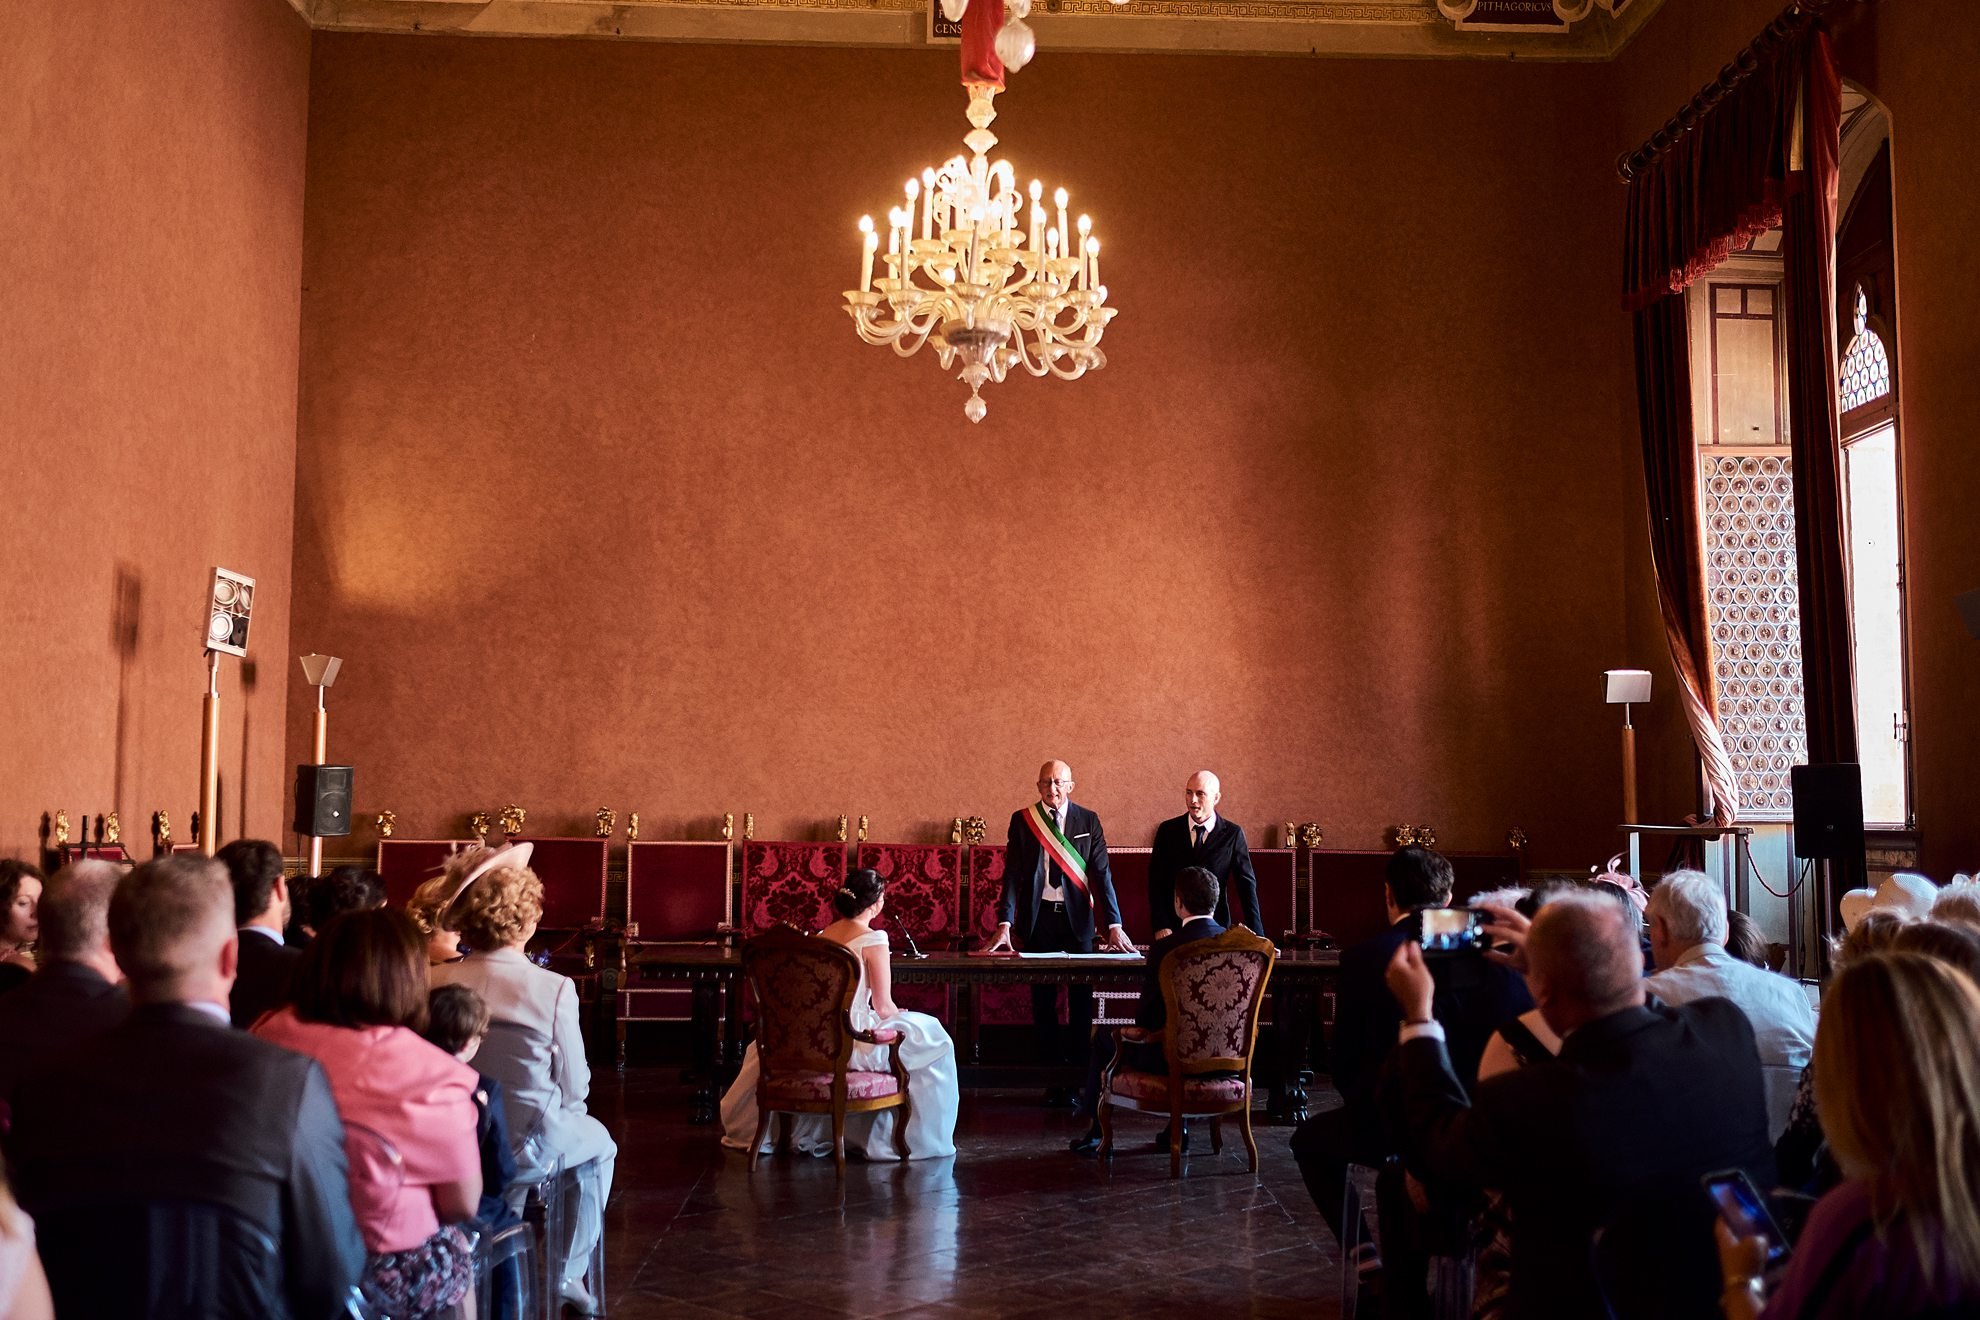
[862,890]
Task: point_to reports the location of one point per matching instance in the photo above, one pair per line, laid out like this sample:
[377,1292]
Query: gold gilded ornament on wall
[387,821]
[974,828]
[511,820]
[478,825]
[749,825]
[632,827]
[955,831]
[1291,835]
[608,822]
[161,830]
[1403,836]
[112,832]
[1516,839]
[842,829]
[1312,835]
[728,825]
[61,833]
[862,829]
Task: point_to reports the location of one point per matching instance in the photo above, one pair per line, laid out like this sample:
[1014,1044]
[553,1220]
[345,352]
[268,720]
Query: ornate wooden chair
[804,987]
[1213,990]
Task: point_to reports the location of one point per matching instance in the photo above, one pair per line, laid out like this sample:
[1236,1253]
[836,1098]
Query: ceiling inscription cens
[1453,29]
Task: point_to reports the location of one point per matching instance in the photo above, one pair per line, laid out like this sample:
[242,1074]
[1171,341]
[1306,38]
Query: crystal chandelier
[992,283]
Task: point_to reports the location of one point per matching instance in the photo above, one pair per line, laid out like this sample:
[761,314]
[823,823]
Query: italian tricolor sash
[1056,845]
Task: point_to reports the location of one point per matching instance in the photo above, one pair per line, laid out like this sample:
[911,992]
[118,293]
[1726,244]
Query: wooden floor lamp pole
[1629,769]
[322,758]
[209,762]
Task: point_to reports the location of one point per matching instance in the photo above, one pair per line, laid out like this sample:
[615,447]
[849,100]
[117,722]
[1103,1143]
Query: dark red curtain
[1670,473]
[1808,249]
[1763,152]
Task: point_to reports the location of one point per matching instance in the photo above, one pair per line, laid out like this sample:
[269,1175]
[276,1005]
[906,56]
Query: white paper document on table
[1099,956]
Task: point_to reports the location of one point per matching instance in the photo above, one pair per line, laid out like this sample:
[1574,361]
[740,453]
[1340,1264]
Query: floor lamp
[321,671]
[1627,687]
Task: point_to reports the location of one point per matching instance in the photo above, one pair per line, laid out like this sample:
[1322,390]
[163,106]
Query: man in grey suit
[178,1163]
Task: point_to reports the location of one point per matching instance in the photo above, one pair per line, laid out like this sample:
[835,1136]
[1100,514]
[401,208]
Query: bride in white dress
[926,1052]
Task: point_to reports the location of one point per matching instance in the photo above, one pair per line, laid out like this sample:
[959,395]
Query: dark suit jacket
[262,983]
[63,1006]
[1637,1107]
[1024,878]
[1153,1012]
[1224,854]
[172,1107]
[1474,996]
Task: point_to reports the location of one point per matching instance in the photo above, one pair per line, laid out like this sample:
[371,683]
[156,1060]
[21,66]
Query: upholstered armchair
[1212,990]
[803,986]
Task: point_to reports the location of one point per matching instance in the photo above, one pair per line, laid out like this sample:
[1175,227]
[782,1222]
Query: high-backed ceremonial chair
[804,987]
[1212,990]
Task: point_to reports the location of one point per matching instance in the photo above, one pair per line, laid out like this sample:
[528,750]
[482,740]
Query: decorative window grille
[1755,619]
[1866,369]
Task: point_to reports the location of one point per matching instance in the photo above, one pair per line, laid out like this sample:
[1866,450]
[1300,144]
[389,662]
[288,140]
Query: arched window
[1866,368]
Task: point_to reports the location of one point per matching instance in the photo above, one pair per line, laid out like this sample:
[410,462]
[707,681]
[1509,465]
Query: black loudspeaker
[1828,810]
[323,801]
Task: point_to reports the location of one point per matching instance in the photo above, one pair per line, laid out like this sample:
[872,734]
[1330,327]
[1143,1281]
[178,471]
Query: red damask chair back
[790,884]
[986,886]
[804,988]
[1213,990]
[924,889]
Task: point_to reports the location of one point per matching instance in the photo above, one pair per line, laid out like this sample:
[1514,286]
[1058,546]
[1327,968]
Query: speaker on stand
[1828,828]
[323,801]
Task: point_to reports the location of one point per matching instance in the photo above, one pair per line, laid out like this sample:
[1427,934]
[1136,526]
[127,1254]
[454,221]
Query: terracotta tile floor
[1013,1227]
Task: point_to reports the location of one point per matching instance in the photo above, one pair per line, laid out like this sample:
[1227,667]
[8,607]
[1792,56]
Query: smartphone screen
[1745,1211]
[1449,930]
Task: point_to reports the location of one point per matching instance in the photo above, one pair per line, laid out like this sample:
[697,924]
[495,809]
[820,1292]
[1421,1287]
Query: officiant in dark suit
[1200,837]
[1058,896]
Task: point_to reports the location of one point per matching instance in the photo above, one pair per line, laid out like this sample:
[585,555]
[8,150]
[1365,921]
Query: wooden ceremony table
[714,976]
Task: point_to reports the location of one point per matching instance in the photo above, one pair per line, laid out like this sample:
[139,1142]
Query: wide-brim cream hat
[1910,896]
[508,855]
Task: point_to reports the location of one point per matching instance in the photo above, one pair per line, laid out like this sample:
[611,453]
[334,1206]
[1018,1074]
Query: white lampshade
[1627,686]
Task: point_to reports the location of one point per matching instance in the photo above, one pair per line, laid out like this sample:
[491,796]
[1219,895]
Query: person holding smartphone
[1897,1085]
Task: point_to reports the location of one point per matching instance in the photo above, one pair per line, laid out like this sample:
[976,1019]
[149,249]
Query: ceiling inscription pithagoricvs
[1451,29]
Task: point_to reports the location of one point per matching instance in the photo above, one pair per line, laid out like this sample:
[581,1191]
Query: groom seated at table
[1195,904]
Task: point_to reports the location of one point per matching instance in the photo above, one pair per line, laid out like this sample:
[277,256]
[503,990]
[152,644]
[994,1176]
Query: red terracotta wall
[151,194]
[605,504]
[1916,58]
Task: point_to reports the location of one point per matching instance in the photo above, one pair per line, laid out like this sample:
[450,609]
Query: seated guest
[1688,940]
[1474,997]
[1194,900]
[1958,902]
[429,902]
[151,1160]
[359,998]
[1800,1153]
[457,1023]
[1745,941]
[1897,1073]
[75,996]
[20,894]
[346,889]
[538,1057]
[1613,1134]
[261,908]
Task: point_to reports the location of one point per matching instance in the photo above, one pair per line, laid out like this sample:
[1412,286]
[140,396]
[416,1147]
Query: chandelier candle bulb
[1085,238]
[868,242]
[1065,234]
[927,201]
[1093,264]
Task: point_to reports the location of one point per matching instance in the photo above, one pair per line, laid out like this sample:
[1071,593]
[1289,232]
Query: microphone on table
[914,950]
